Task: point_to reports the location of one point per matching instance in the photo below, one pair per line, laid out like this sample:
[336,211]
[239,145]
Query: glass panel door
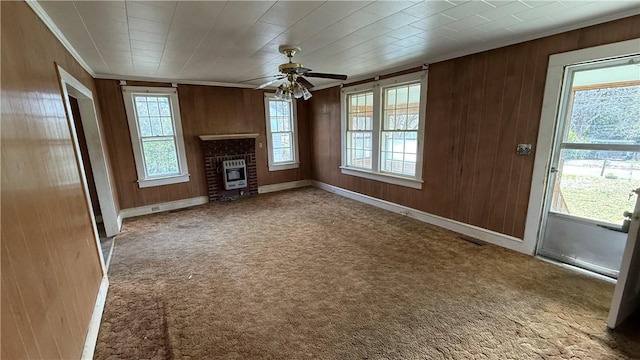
[596,164]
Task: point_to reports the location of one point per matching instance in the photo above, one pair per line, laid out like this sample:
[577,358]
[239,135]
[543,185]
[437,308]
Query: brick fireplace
[219,148]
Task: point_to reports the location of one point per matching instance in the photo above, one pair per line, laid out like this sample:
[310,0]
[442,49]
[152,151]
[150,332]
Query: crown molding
[35,6]
[172,81]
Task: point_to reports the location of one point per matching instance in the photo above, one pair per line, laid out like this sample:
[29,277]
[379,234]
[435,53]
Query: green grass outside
[598,198]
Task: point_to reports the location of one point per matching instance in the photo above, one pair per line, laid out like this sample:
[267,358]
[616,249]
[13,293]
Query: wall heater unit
[235,174]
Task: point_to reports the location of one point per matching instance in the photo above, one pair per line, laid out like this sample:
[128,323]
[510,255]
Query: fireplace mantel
[228,136]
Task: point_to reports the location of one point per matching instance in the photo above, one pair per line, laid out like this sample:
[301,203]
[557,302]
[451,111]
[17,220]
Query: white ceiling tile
[467,23]
[144,45]
[238,40]
[538,12]
[384,8]
[147,36]
[425,9]
[500,24]
[149,26]
[433,22]
[467,9]
[334,11]
[397,20]
[540,24]
[404,32]
[113,46]
[360,19]
[151,55]
[287,14]
[575,3]
[101,36]
[151,11]
[197,14]
[505,9]
[265,29]
[372,31]
[100,11]
[410,41]
[536,3]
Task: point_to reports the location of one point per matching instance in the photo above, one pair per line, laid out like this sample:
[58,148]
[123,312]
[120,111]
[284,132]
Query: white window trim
[294,120]
[377,87]
[143,180]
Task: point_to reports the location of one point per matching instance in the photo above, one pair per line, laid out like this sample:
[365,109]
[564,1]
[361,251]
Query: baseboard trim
[489,236]
[166,206]
[94,325]
[283,186]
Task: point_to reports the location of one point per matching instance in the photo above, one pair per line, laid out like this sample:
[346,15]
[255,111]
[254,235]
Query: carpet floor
[306,274]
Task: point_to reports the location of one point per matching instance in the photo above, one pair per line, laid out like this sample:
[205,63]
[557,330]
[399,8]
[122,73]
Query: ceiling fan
[294,73]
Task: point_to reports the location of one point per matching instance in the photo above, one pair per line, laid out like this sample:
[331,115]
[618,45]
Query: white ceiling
[238,40]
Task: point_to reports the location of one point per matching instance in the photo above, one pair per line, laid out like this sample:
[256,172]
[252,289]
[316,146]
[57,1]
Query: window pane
[359,146]
[145,126]
[160,157]
[141,106]
[360,111]
[399,152]
[402,107]
[165,109]
[595,184]
[282,147]
[167,126]
[609,114]
[154,110]
[402,96]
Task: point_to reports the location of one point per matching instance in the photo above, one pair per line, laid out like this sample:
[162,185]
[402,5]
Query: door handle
[553,170]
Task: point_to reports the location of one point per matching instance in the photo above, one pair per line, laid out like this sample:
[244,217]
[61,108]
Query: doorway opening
[595,165]
[92,163]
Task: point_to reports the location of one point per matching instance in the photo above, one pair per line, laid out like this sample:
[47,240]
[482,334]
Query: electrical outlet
[523,149]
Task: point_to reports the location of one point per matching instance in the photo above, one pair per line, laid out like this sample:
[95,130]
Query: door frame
[97,156]
[534,226]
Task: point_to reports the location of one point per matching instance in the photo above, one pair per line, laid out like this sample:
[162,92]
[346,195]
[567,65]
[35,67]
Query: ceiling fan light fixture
[298,90]
[279,91]
[306,94]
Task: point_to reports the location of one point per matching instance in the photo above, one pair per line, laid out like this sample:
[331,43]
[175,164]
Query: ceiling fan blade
[302,70]
[259,78]
[304,82]
[326,76]
[269,83]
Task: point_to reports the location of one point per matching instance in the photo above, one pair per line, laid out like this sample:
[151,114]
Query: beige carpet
[306,274]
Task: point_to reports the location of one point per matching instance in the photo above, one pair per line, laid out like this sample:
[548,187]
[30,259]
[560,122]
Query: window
[156,135]
[360,130]
[282,135]
[383,124]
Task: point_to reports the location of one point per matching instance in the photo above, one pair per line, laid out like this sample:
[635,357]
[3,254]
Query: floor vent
[471,240]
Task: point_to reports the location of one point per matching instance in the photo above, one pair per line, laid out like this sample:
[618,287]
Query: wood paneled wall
[205,110]
[479,107]
[50,266]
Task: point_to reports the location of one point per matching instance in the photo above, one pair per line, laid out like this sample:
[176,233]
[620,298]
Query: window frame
[378,87]
[295,163]
[144,181]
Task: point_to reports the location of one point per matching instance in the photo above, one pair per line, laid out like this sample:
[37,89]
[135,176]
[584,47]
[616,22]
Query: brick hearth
[218,150]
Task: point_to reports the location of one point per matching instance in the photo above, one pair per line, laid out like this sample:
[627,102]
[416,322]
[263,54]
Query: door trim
[534,228]
[97,155]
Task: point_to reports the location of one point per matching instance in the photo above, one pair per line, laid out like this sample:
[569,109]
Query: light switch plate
[524,149]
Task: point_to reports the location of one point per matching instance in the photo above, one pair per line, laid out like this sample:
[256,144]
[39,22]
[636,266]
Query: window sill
[286,166]
[391,179]
[163,181]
